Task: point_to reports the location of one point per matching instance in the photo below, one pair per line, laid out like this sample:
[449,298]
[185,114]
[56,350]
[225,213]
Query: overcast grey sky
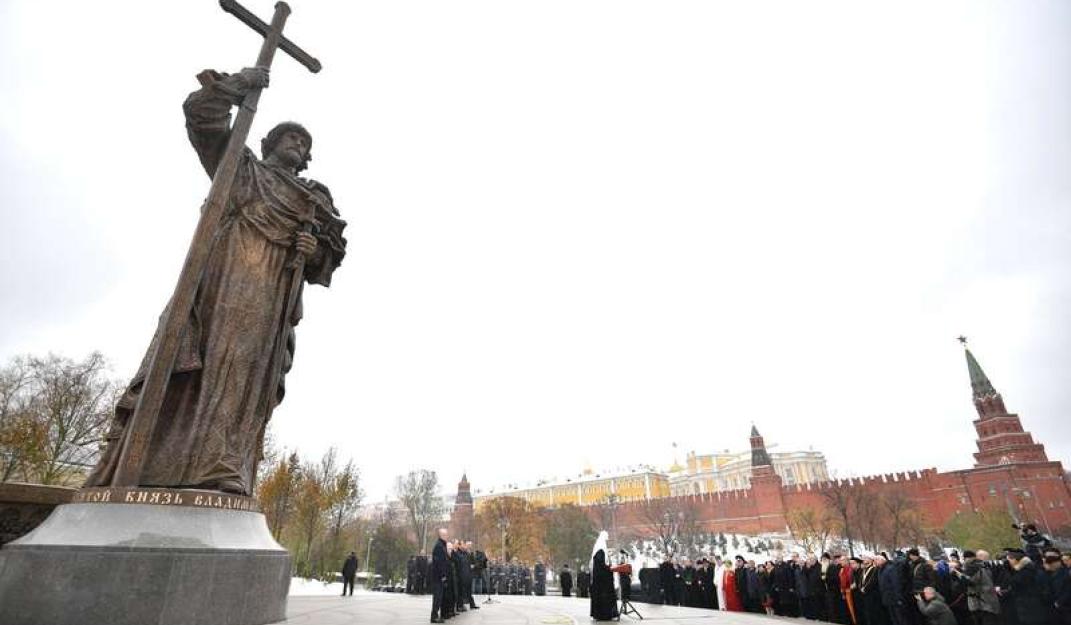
[581,231]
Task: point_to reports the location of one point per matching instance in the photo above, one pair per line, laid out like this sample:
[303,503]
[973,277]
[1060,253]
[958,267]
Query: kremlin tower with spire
[462,518]
[1001,439]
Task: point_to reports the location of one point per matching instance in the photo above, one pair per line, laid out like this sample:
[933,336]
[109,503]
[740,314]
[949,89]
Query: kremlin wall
[1010,471]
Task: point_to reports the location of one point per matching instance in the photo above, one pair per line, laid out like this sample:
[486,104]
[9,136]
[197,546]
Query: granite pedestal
[146,556]
[25,506]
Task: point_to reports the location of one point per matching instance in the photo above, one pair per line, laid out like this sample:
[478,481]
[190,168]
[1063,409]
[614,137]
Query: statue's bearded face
[291,149]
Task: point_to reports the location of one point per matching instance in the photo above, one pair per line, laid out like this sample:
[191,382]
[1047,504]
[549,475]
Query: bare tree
[346,495]
[418,491]
[840,497]
[22,439]
[868,517]
[673,521]
[903,522]
[810,527]
[607,510]
[53,414]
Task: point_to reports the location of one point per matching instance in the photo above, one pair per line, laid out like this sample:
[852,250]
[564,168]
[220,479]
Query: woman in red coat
[732,599]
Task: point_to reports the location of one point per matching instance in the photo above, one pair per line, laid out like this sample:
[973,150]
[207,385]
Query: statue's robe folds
[239,338]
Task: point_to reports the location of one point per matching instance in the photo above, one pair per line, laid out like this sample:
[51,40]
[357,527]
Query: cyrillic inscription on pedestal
[166,497]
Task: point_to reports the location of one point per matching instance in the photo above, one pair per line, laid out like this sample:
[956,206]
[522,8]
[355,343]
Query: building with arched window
[718,472]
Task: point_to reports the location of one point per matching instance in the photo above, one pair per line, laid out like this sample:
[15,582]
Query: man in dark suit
[784,587]
[1033,606]
[349,572]
[440,567]
[565,580]
[583,582]
[464,562]
[666,576]
[450,585]
[457,557]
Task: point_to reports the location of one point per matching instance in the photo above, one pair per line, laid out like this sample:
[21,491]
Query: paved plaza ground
[401,609]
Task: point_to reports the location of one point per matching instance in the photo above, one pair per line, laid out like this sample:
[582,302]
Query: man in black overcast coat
[440,567]
[565,580]
[666,576]
[349,572]
[1032,604]
[583,582]
[465,563]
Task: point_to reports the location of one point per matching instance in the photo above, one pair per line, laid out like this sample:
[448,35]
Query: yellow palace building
[588,488]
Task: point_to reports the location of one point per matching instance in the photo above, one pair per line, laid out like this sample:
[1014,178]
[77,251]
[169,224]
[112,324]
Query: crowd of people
[1026,586]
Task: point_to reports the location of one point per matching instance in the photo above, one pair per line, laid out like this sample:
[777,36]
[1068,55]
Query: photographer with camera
[480,582]
[624,580]
[1034,542]
[932,606]
[624,575]
[982,599]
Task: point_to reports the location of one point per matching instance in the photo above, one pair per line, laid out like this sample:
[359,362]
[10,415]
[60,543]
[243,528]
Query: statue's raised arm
[208,110]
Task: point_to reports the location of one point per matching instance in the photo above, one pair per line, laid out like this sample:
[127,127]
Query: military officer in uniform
[518,572]
[540,573]
[492,576]
[514,578]
[526,577]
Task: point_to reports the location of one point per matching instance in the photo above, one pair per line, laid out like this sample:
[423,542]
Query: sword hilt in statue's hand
[305,244]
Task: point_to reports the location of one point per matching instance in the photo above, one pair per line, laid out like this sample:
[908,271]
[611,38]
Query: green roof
[980,384]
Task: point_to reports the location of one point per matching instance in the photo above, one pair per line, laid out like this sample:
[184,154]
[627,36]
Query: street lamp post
[611,502]
[503,527]
[368,556]
[667,533]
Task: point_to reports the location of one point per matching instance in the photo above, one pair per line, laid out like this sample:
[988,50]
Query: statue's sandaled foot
[233,487]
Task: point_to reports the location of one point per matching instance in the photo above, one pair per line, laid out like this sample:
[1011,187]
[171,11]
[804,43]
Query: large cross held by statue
[162,361]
